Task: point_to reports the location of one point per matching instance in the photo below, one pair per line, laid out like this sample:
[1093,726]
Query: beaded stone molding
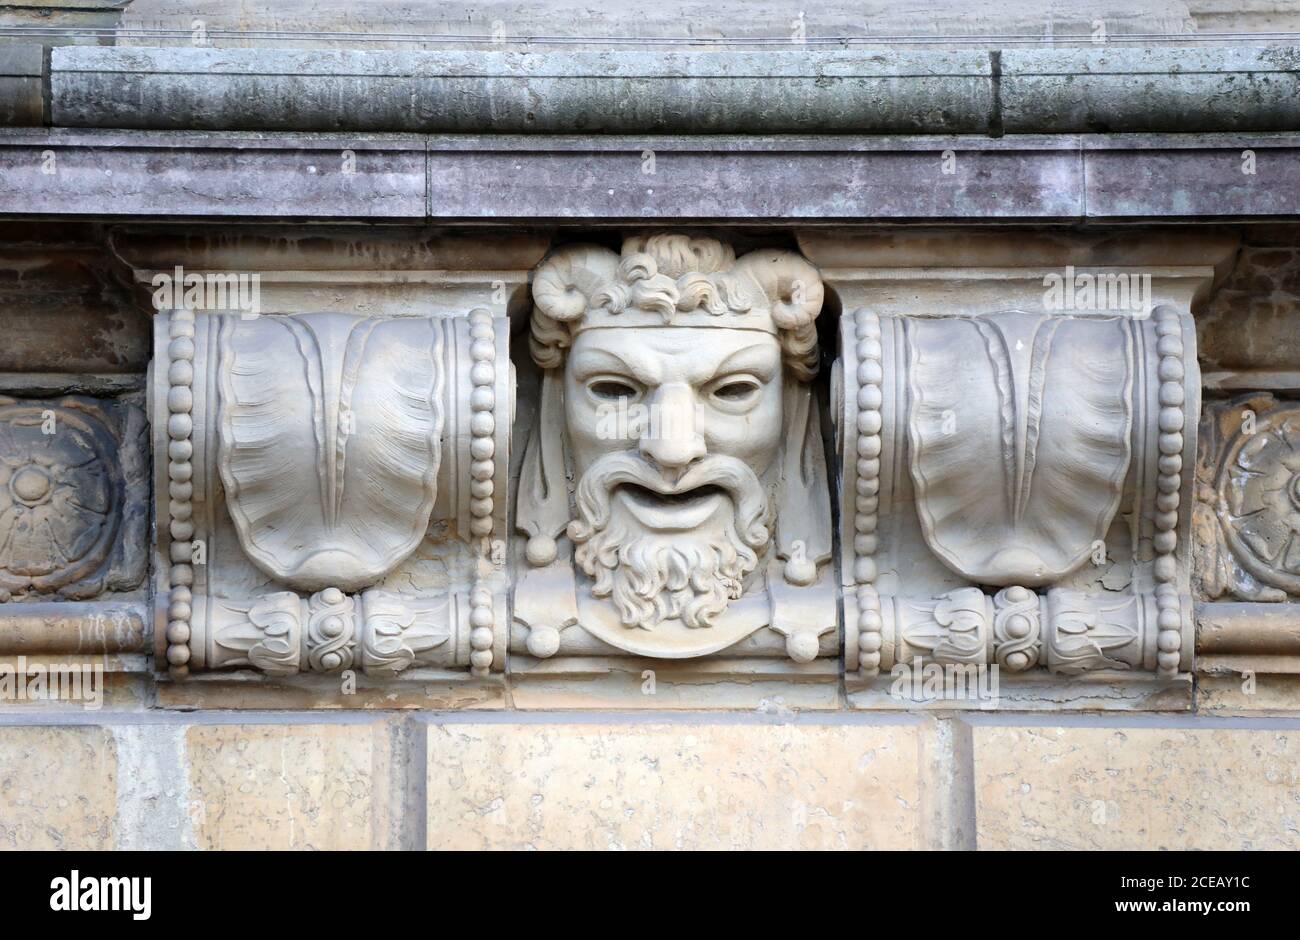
[331,483]
[1013,491]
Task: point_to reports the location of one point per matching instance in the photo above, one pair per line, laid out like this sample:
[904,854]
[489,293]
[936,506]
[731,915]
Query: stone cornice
[1047,178]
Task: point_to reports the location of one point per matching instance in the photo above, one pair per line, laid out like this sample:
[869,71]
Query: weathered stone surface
[1044,787]
[673,179]
[61,309]
[58,788]
[1259,693]
[242,175]
[20,85]
[249,691]
[1252,323]
[769,92]
[739,178]
[288,786]
[1180,177]
[46,627]
[576,24]
[654,786]
[801,89]
[1133,89]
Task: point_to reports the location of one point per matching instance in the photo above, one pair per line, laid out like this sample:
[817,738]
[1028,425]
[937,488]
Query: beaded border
[482,448]
[180,476]
[866,504]
[1172,423]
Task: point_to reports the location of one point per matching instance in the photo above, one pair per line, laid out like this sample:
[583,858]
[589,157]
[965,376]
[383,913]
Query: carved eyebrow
[758,359]
[589,362]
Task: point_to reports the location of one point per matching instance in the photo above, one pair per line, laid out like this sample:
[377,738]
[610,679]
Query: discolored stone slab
[288,786]
[513,785]
[1044,787]
[58,788]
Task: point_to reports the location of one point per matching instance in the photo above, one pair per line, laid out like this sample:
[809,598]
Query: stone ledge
[159,174]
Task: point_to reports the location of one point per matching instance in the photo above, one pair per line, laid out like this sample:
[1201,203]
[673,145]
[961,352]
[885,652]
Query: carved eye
[736,391]
[612,389]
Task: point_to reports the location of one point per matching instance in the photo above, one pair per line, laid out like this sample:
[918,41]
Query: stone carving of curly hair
[670,274]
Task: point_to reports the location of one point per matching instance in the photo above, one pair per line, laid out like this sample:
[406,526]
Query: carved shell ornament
[1019,428]
[59,498]
[329,442]
[1259,499]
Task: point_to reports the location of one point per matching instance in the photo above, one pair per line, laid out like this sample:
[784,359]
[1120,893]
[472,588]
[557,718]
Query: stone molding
[1199,89]
[710,178]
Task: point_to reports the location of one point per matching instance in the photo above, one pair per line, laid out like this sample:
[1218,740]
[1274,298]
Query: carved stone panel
[673,500]
[1016,469]
[1248,507]
[1041,454]
[73,498]
[328,490]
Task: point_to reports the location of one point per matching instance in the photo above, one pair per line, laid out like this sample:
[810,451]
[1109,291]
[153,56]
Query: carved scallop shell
[330,427]
[1019,429]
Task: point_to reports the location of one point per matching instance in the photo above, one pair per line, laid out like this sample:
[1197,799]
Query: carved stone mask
[678,367]
[670,434]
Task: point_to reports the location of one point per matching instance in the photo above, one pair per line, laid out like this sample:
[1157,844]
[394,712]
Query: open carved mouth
[643,494]
[672,511]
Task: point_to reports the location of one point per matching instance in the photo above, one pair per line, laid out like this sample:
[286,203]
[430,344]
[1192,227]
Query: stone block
[263,787]
[58,788]
[1122,788]
[633,785]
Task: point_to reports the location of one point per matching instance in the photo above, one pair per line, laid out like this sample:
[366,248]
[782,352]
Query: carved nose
[671,440]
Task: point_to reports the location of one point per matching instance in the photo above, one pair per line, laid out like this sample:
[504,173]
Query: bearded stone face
[672,432]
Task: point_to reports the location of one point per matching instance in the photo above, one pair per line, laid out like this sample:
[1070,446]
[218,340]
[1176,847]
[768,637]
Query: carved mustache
[727,473]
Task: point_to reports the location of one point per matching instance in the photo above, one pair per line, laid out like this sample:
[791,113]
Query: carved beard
[651,575]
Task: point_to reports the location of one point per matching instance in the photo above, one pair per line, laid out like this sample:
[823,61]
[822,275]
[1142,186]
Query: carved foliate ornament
[1003,450]
[332,491]
[1258,497]
[675,474]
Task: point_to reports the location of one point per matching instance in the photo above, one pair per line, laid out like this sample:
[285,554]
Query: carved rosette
[69,473]
[1258,498]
